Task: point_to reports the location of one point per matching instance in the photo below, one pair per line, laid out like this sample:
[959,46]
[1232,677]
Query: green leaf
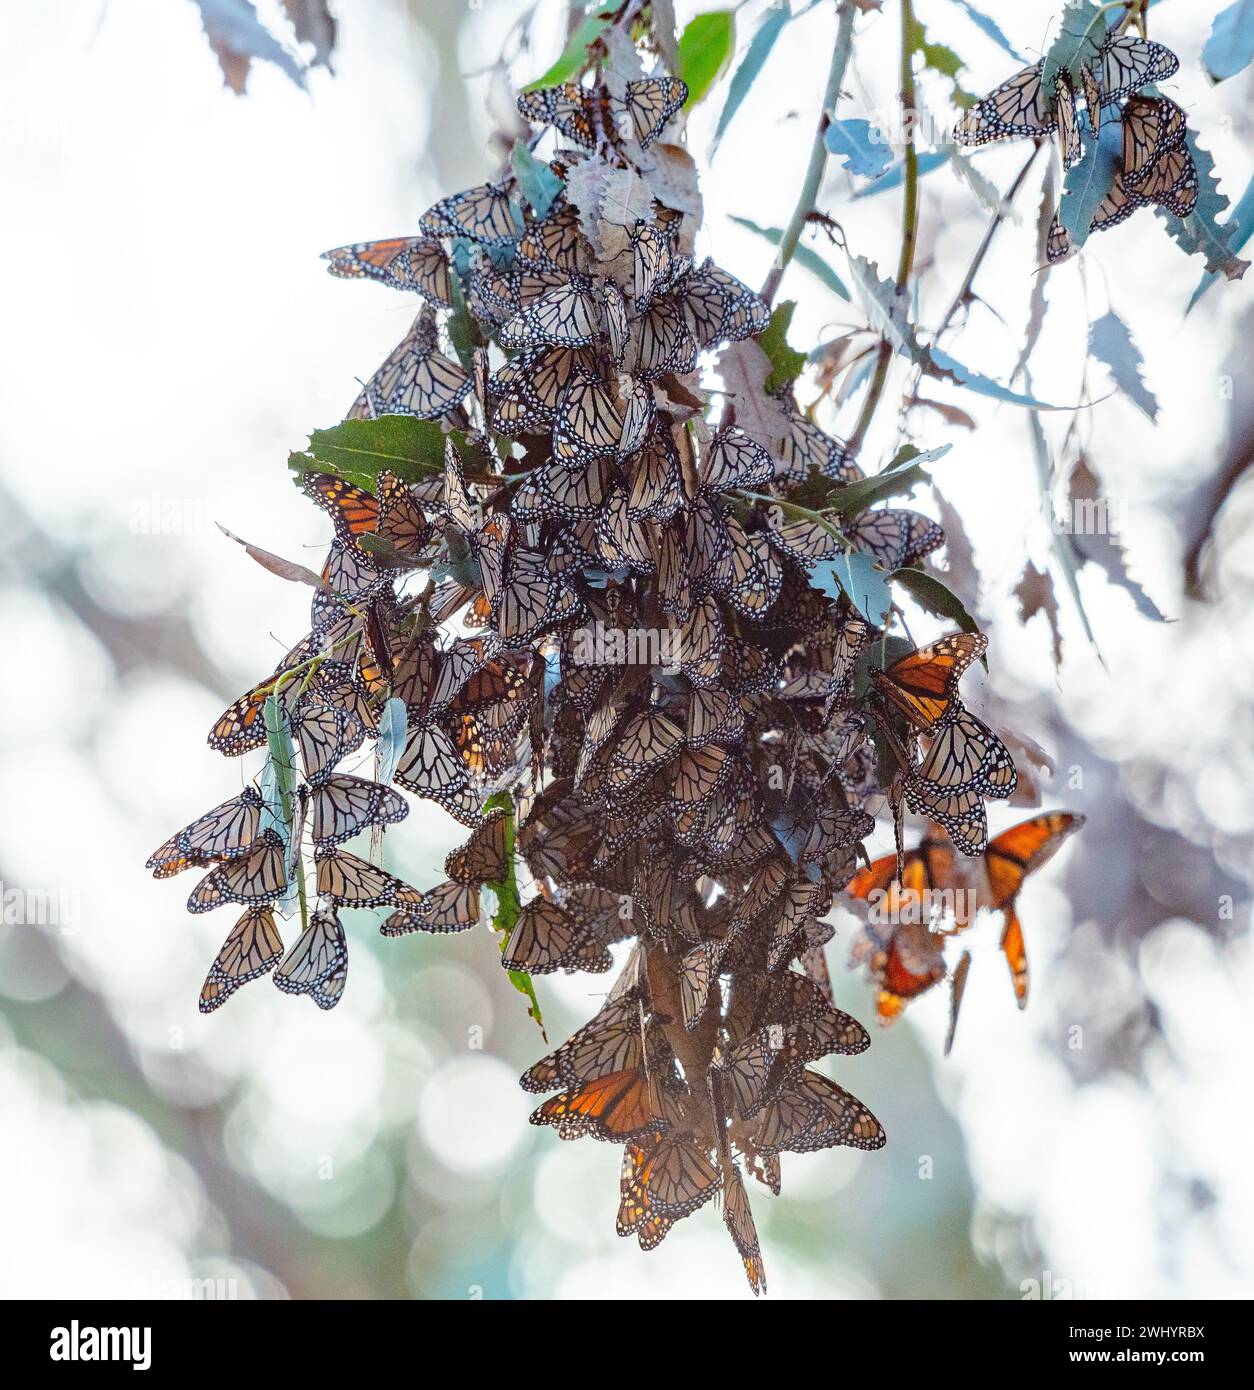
[539,184]
[803,255]
[934,597]
[949,367]
[1079,41]
[280,773]
[860,145]
[904,472]
[1200,233]
[1111,342]
[705,48]
[359,450]
[787,363]
[941,59]
[1089,180]
[860,579]
[393,734]
[1230,47]
[1236,231]
[509,905]
[773,24]
[575,55]
[462,330]
[928,163]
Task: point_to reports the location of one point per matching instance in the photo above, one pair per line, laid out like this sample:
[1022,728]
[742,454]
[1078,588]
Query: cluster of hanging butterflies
[597,639]
[1155,166]
[914,907]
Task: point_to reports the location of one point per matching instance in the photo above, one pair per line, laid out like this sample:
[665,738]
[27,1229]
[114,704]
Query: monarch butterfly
[804,541]
[344,806]
[638,420]
[663,342]
[713,716]
[317,965]
[483,858]
[403,524]
[547,373]
[831,830]
[1151,126]
[448,907]
[564,317]
[620,543]
[353,510]
[613,1108]
[326,734]
[569,108]
[906,959]
[402,263]
[1128,63]
[587,426]
[546,938]
[252,948]
[226,832]
[649,104]
[1092,96]
[738,1217]
[699,773]
[1019,106]
[923,684]
[1008,860]
[555,243]
[967,753]
[415,378]
[431,766]
[807,447]
[616,326]
[960,811]
[655,488]
[343,878]
[648,741]
[1172,182]
[895,538]
[254,878]
[1069,143]
[654,264]
[733,460]
[634,1218]
[611,1041]
[484,214]
[350,576]
[665,1178]
[814,1113]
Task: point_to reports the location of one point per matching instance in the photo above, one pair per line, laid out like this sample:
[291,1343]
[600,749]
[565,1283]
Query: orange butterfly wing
[1017,852]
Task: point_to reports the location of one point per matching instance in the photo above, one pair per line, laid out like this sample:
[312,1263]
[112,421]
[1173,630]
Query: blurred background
[171,335]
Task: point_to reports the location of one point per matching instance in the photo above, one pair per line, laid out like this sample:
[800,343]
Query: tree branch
[818,152]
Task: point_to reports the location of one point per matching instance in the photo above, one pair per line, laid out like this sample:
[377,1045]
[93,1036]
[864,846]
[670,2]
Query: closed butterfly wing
[484,214]
[1018,107]
[253,948]
[738,1218]
[547,938]
[402,263]
[484,857]
[649,103]
[318,962]
[967,753]
[253,879]
[343,878]
[344,806]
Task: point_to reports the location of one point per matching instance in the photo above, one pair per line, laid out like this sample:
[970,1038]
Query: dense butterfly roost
[610,637]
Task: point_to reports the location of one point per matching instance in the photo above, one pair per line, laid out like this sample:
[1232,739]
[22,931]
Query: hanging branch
[909,223]
[818,152]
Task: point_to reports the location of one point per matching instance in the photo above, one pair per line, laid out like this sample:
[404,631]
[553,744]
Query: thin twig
[818,152]
[909,223]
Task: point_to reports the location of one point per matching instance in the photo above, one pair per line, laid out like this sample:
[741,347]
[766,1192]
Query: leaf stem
[909,223]
[818,151]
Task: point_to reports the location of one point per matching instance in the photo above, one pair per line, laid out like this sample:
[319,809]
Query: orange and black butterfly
[402,263]
[1008,860]
[923,684]
[253,948]
[665,1177]
[615,1108]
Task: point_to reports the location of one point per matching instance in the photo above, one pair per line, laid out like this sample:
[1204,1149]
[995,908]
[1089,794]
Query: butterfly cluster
[1155,166]
[914,909]
[606,636]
